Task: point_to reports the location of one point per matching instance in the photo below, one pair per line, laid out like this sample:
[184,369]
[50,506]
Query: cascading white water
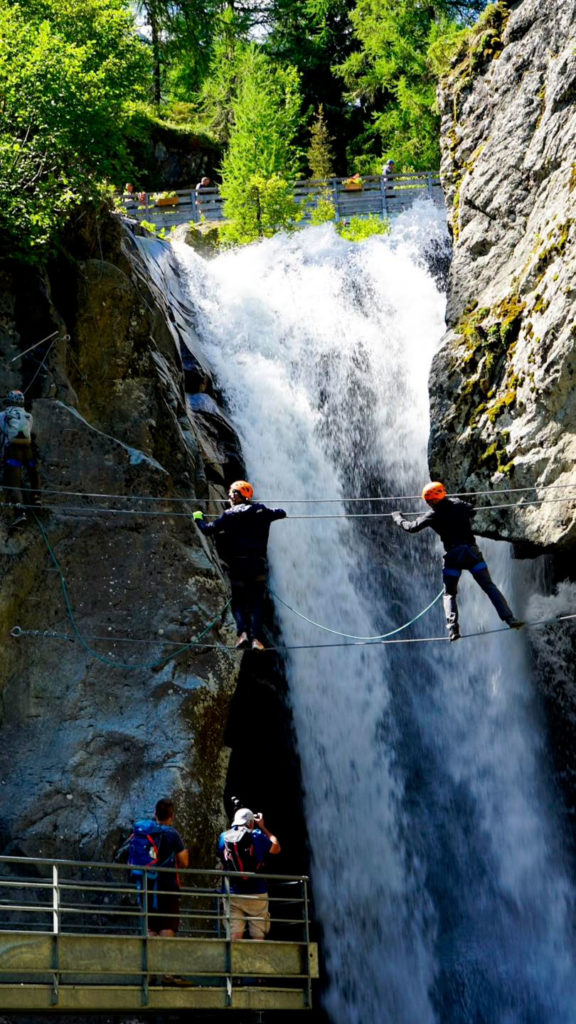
[437,868]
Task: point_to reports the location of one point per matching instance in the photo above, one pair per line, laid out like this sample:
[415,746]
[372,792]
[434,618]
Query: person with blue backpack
[18,453]
[242,850]
[154,847]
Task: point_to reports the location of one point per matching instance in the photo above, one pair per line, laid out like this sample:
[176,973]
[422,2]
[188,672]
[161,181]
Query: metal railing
[379,195]
[82,924]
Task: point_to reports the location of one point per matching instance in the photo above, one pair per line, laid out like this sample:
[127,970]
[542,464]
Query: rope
[17,632]
[412,640]
[352,636]
[112,662]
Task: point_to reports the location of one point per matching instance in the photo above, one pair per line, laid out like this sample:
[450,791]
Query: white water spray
[436,870]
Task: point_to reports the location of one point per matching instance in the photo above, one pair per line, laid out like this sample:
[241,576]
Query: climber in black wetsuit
[450,519]
[241,533]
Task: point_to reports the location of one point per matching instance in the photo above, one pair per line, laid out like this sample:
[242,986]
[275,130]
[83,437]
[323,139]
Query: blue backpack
[144,851]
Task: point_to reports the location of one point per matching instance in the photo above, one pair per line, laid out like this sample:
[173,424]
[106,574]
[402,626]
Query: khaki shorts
[250,910]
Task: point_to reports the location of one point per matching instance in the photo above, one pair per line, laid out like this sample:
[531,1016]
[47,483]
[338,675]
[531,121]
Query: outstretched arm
[215,526]
[413,525]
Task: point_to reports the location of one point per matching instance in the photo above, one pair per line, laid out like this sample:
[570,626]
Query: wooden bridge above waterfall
[376,195]
[74,937]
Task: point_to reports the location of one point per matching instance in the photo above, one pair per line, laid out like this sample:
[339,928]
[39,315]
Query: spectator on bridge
[388,170]
[129,196]
[242,849]
[164,906]
[241,535]
[203,185]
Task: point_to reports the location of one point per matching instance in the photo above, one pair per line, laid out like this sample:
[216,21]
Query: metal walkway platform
[74,937]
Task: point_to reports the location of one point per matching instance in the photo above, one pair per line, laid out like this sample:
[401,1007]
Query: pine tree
[320,156]
[262,160]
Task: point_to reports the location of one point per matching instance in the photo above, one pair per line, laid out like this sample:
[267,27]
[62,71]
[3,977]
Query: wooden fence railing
[382,196]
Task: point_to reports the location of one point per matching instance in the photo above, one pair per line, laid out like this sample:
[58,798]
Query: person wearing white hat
[242,850]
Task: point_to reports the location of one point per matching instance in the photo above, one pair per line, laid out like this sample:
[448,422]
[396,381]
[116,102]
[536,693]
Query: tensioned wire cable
[295,501]
[113,662]
[17,632]
[384,638]
[85,511]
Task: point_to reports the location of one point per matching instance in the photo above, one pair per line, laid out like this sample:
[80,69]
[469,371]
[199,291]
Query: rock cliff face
[95,730]
[502,385]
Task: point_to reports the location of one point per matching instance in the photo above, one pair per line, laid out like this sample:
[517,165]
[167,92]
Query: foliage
[262,160]
[180,33]
[158,232]
[145,128]
[358,229]
[320,156]
[64,76]
[392,75]
[216,97]
[323,212]
[260,207]
[313,36]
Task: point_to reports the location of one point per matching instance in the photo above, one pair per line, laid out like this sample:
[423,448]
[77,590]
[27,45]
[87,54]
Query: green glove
[197,515]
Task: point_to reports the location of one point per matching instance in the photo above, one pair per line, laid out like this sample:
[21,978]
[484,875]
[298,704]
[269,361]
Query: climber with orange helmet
[450,518]
[241,533]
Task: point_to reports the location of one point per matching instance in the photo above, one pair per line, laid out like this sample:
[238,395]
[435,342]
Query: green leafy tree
[320,155]
[262,159]
[391,76]
[64,82]
[323,211]
[181,34]
[216,97]
[358,229]
[261,207]
[314,36]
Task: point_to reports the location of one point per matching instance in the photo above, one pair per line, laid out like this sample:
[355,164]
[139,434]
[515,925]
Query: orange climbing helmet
[243,488]
[434,492]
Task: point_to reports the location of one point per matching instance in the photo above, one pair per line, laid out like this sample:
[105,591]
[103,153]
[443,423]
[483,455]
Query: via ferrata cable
[112,662]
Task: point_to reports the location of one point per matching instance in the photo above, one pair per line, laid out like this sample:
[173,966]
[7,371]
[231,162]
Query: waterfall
[437,865]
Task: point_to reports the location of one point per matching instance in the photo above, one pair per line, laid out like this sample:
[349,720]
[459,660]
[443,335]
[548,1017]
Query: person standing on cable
[241,533]
[450,518]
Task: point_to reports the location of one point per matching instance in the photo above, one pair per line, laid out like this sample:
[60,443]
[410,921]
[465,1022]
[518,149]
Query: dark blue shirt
[450,519]
[244,528]
[169,845]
